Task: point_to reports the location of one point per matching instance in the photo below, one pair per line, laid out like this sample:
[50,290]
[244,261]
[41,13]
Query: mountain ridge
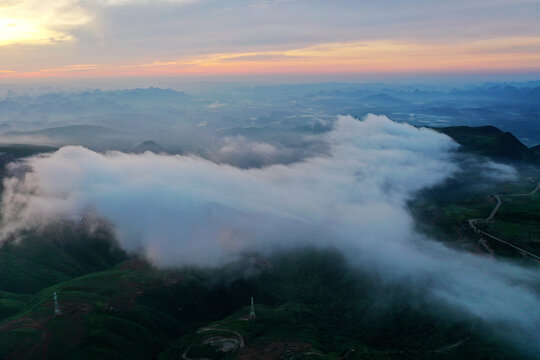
[492,142]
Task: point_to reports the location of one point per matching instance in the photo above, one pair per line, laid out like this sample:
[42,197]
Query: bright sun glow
[17,31]
[35,22]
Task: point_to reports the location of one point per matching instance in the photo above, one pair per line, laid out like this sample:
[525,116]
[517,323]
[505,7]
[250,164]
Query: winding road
[472,222]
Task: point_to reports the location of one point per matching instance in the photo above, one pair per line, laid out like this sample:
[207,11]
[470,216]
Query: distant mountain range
[502,91]
[95,137]
[71,131]
[383,100]
[488,141]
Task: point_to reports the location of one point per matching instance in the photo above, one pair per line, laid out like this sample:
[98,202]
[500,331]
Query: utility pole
[252,311]
[57,311]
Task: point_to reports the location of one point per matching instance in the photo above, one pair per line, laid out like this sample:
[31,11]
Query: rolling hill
[491,142]
[309,305]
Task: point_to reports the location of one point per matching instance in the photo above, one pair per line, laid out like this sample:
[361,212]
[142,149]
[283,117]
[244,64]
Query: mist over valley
[344,210]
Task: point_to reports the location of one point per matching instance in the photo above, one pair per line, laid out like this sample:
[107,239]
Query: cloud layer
[171,205]
[181,210]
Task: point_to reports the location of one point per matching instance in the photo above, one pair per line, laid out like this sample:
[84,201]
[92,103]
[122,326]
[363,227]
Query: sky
[142,38]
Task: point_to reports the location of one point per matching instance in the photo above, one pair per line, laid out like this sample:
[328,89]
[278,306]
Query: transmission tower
[252,310]
[57,310]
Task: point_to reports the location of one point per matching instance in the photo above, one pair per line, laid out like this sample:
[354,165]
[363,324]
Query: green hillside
[490,141]
[309,303]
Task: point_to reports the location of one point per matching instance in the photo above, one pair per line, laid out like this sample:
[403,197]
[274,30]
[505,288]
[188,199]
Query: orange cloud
[385,56]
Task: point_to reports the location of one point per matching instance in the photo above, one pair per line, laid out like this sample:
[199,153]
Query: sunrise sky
[131,38]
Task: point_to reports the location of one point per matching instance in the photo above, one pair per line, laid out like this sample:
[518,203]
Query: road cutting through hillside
[472,222]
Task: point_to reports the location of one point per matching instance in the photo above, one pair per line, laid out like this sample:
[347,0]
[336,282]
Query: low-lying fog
[347,191]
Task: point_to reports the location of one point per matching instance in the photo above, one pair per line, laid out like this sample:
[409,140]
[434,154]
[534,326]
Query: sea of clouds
[184,210]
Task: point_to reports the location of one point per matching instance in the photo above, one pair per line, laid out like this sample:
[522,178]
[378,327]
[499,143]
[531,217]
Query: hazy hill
[151,146]
[13,152]
[383,100]
[70,131]
[536,150]
[501,91]
[23,150]
[95,137]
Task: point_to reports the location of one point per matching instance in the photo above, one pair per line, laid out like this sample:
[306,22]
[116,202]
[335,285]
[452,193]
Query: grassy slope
[132,311]
[442,211]
[490,141]
[518,221]
[325,311]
